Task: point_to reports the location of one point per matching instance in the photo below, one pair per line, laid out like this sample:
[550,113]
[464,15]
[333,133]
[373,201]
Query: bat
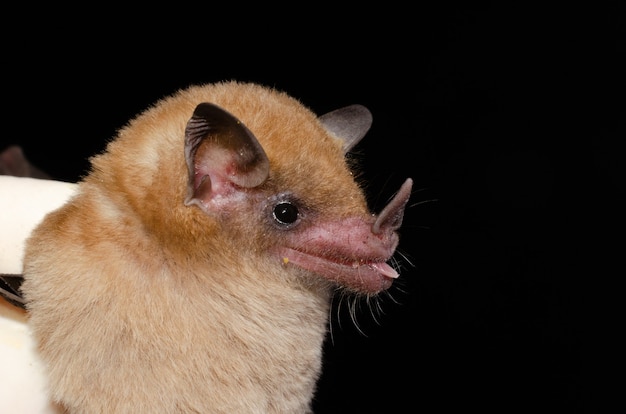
[13,162]
[192,270]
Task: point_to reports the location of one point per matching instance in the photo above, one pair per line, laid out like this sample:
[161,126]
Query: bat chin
[360,275]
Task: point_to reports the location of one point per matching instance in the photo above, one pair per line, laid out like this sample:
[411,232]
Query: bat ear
[221,154]
[349,123]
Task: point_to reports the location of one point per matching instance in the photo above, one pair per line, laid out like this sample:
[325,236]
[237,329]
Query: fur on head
[192,270]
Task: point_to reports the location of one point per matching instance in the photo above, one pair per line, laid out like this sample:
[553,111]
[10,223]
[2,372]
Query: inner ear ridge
[212,125]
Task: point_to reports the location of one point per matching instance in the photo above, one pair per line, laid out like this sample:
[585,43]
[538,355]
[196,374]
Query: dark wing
[10,289]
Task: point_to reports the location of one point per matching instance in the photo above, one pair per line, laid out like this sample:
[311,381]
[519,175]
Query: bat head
[253,173]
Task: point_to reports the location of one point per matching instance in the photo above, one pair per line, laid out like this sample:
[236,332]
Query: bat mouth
[365,275]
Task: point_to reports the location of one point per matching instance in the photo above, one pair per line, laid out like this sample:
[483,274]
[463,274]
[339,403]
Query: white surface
[23,204]
[22,382]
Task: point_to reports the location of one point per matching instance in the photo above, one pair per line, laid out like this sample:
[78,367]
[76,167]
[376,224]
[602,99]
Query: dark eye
[285,213]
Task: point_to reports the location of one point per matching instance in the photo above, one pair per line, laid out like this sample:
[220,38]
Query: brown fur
[141,304]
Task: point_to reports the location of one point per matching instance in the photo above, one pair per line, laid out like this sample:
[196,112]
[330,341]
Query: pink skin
[351,252]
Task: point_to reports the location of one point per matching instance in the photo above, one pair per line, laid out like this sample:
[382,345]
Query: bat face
[244,167]
[318,223]
[200,253]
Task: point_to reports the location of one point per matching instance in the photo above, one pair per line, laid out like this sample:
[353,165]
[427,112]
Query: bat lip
[364,275]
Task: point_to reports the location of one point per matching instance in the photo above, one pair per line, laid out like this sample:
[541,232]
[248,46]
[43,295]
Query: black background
[509,118]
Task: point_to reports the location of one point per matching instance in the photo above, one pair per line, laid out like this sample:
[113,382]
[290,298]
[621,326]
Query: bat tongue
[384,269]
[358,275]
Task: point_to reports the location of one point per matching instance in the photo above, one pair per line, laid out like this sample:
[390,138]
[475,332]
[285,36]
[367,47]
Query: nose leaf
[390,218]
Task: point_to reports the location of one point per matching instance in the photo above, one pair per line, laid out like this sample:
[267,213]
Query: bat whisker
[353,316]
[419,203]
[405,257]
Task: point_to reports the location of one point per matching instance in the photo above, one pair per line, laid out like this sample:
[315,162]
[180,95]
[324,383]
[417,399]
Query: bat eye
[285,213]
